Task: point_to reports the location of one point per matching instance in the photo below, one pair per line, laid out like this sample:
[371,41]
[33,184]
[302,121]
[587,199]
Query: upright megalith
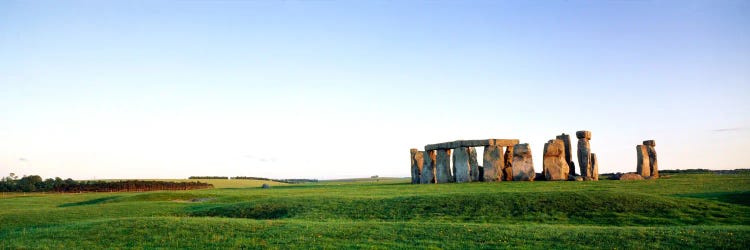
[461,164]
[555,168]
[466,167]
[584,153]
[652,163]
[643,167]
[416,165]
[523,166]
[443,166]
[568,152]
[428,167]
[473,164]
[493,163]
[594,167]
[508,164]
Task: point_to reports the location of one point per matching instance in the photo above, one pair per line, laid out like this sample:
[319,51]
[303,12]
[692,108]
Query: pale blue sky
[168,89]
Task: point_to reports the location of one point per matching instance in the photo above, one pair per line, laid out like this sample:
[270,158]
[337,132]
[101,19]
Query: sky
[339,89]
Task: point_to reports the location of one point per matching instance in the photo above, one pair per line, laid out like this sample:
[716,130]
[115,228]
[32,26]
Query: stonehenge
[428,167]
[523,166]
[443,166]
[508,166]
[555,166]
[584,155]
[509,160]
[416,165]
[594,168]
[642,167]
[461,165]
[653,165]
[437,158]
[494,163]
[647,164]
[568,155]
[473,164]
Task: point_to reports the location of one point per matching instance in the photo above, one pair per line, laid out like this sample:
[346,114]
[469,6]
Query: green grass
[684,211]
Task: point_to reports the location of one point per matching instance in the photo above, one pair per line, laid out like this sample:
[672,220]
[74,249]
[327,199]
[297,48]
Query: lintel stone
[472,143]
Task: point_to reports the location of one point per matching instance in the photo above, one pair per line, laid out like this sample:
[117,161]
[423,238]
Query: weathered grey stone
[568,152]
[508,168]
[473,164]
[428,167]
[653,163]
[523,165]
[443,166]
[481,173]
[643,167]
[594,167]
[584,157]
[583,134]
[615,176]
[630,177]
[416,165]
[472,143]
[493,163]
[265,186]
[554,166]
[461,164]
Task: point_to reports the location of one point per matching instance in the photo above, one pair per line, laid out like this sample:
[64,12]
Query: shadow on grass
[741,198]
[90,202]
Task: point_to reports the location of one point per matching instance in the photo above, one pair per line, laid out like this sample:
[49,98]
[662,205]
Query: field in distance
[684,211]
[230,183]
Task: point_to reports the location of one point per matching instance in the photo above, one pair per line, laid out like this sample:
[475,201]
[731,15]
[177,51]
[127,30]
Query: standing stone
[493,163]
[473,164]
[643,167]
[594,167]
[568,152]
[523,166]
[416,165]
[461,164]
[508,168]
[653,164]
[555,168]
[584,152]
[428,168]
[443,166]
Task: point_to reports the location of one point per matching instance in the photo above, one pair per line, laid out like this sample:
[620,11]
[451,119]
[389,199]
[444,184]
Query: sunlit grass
[684,211]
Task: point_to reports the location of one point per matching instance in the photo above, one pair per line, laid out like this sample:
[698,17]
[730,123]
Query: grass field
[684,211]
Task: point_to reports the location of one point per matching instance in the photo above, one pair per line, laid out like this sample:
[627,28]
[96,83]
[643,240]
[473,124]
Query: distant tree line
[705,171]
[693,171]
[290,181]
[34,183]
[209,177]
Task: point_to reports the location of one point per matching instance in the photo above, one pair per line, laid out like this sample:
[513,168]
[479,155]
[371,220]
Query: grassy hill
[684,211]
